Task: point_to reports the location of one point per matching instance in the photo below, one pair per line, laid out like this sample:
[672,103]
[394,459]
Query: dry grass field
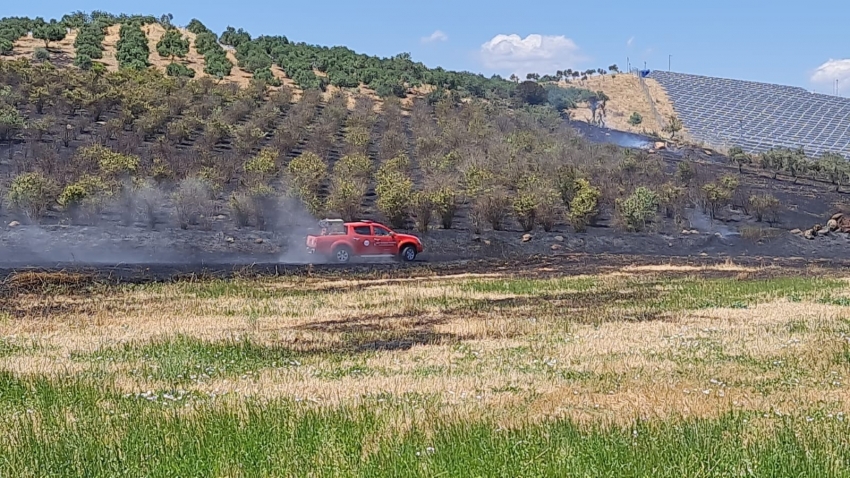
[659,370]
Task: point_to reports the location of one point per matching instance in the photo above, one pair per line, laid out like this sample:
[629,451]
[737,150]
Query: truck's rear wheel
[341,255]
[408,253]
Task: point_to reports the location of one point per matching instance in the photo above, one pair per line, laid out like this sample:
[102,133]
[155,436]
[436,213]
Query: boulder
[659,145]
[817,228]
[258,240]
[230,240]
[559,238]
[844,224]
[810,234]
[527,237]
[14,224]
[837,216]
[832,225]
[557,247]
[796,231]
[486,242]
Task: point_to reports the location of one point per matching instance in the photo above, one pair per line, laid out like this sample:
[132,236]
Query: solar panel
[757,116]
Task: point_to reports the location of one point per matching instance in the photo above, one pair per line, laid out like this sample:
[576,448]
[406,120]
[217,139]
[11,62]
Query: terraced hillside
[758,116]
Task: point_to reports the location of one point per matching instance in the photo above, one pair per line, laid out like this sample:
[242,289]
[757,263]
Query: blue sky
[802,44]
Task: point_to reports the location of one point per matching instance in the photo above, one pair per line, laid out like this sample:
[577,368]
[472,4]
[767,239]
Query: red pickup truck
[340,241]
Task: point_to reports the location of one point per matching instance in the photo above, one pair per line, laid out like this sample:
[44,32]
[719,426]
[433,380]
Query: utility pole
[669,61]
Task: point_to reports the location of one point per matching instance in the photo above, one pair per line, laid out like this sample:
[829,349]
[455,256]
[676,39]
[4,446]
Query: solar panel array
[758,116]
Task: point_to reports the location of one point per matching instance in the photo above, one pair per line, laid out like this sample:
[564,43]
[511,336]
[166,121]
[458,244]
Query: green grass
[73,428]
[182,359]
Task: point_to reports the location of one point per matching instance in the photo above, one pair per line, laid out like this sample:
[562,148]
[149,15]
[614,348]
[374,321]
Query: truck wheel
[408,253]
[341,255]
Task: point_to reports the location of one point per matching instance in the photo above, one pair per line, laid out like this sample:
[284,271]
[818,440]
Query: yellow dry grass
[533,360]
[627,97]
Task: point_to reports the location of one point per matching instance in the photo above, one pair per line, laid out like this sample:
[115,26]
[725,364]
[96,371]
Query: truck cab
[341,241]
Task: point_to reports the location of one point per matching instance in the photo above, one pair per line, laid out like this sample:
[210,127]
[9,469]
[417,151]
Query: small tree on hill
[635,119]
[674,125]
[739,157]
[53,31]
[173,44]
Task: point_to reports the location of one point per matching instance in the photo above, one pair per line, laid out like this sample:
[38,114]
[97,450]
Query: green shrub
[445,205]
[179,70]
[83,61]
[355,166]
[6,46]
[584,206]
[306,174]
[635,119]
[765,207]
[85,194]
[671,199]
[685,173]
[639,209]
[31,194]
[172,45]
[41,54]
[11,122]
[423,206]
[394,189]
[346,197]
[262,167]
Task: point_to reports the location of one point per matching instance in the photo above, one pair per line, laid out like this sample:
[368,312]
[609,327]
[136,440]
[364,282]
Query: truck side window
[363,230]
[380,231]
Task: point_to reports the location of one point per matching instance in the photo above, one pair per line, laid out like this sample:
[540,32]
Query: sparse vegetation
[150,372]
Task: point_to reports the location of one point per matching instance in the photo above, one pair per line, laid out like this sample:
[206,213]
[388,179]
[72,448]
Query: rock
[557,247]
[526,237]
[486,242]
[837,216]
[660,145]
[14,224]
[229,240]
[258,241]
[832,225]
[817,228]
[221,217]
[810,234]
[559,238]
[796,231]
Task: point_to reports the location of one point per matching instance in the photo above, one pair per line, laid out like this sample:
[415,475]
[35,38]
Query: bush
[192,202]
[716,195]
[637,210]
[423,209]
[765,207]
[87,195]
[307,172]
[83,61]
[584,206]
[445,205]
[31,194]
[346,197]
[635,119]
[685,173]
[6,46]
[394,189]
[11,122]
[262,167]
[132,48]
[492,207]
[179,70]
[53,31]
[671,198]
[41,54]
[172,45]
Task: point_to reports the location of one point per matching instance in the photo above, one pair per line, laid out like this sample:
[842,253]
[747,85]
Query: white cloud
[533,54]
[630,41]
[826,74]
[435,37]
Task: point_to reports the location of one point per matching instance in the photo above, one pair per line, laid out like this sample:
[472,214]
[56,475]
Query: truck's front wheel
[342,254]
[408,253]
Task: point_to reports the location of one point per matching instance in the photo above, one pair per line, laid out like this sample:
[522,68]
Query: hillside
[627,97]
[247,164]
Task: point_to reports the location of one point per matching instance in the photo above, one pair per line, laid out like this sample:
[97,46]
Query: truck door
[384,241]
[361,239]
